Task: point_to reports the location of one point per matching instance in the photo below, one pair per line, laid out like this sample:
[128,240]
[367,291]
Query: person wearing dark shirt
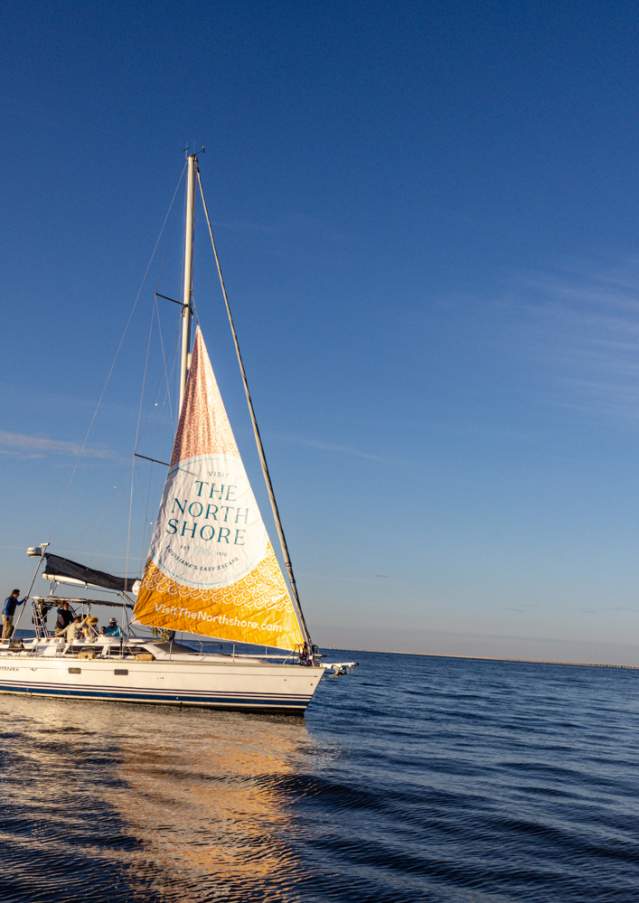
[65,616]
[9,610]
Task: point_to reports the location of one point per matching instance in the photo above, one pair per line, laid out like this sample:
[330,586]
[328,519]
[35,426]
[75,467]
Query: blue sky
[428,219]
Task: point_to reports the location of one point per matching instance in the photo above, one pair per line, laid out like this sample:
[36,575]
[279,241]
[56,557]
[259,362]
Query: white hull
[186,679]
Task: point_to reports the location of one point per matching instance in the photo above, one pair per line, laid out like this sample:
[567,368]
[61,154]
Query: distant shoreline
[494,658]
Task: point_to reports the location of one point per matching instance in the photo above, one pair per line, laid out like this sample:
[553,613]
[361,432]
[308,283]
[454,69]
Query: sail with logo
[211,568]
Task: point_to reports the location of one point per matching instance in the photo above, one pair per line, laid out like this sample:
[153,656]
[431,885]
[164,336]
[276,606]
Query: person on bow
[8,612]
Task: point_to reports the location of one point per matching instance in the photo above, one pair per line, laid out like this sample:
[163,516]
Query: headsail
[212,569]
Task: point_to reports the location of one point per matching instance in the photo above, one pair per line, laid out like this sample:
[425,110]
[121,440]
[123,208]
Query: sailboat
[211,571]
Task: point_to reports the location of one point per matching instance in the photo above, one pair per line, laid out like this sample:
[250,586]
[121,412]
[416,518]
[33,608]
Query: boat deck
[141,650]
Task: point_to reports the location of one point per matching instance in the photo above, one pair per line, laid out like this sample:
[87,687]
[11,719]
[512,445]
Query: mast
[187,313]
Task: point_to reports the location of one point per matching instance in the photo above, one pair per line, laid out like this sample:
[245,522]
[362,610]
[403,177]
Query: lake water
[415,778]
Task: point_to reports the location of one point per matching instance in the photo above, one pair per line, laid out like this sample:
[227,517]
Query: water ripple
[415,779]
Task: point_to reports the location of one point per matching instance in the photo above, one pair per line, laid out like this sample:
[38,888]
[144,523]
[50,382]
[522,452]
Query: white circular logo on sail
[209,532]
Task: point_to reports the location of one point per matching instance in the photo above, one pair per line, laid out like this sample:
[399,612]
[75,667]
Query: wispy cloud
[333,447]
[299,223]
[25,445]
[587,334]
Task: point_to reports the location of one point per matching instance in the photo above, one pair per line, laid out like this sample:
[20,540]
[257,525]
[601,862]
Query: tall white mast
[185,352]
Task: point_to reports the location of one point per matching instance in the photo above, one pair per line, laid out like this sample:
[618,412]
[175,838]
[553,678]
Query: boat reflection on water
[190,799]
[203,798]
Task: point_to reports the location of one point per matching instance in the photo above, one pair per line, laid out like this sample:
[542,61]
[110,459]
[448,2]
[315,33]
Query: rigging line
[174,365]
[163,394]
[127,324]
[146,537]
[161,391]
[164,361]
[24,605]
[135,445]
[256,430]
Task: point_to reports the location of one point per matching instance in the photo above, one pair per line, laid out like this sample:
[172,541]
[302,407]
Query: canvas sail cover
[211,568]
[63,569]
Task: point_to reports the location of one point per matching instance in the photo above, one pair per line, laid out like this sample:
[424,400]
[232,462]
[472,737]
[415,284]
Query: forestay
[212,569]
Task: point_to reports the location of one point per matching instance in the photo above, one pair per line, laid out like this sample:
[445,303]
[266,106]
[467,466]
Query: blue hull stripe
[135,695]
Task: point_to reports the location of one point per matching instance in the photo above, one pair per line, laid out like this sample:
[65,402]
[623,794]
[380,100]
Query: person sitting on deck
[71,632]
[65,616]
[90,628]
[113,628]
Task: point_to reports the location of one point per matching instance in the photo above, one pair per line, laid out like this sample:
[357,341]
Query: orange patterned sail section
[211,568]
